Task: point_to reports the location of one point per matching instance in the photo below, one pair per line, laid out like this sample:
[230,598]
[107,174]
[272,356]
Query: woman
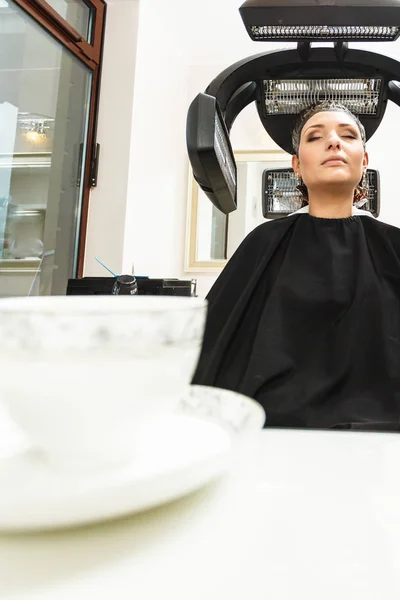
[305,316]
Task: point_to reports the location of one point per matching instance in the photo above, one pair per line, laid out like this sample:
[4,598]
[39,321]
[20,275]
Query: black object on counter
[125,285]
[146,286]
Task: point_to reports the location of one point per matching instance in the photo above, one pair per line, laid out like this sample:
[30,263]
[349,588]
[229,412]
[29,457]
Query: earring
[365,180]
[300,187]
[361,192]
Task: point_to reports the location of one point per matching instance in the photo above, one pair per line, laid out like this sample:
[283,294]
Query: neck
[330,205]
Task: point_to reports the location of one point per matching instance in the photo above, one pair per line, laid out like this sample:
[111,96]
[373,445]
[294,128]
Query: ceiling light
[34,126]
[35,136]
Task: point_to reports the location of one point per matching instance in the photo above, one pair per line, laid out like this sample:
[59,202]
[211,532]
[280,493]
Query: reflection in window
[44,109]
[211,230]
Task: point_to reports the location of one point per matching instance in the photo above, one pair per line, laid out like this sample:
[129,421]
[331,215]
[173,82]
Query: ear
[365,160]
[295,164]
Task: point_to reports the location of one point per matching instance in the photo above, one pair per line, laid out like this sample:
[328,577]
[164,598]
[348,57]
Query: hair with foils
[361,192]
[325,106]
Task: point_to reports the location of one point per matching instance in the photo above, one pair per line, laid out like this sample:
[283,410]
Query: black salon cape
[305,319]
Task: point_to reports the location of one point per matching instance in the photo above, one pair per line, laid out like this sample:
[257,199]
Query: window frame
[91,55]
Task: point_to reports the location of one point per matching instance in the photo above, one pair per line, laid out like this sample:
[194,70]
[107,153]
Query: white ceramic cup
[81,375]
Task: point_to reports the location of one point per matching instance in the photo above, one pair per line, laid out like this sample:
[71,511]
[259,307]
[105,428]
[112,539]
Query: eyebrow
[320,126]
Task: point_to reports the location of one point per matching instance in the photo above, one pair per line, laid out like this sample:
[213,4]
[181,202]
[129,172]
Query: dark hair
[360,193]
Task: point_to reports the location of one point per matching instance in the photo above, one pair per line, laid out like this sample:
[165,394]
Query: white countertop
[316,515]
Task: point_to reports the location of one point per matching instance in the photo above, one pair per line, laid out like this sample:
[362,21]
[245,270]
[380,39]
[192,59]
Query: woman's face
[330,152]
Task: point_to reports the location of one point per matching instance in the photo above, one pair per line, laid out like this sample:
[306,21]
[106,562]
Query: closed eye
[311,139]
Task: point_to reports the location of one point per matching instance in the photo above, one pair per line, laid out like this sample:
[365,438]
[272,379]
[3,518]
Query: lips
[334,159]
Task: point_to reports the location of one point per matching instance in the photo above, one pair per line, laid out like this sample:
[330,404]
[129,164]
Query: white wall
[181,46]
[107,208]
[156,184]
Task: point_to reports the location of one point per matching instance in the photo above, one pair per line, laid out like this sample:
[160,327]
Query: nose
[333,141]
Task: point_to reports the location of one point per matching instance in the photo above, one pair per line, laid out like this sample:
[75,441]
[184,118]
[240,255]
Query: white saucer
[177,455]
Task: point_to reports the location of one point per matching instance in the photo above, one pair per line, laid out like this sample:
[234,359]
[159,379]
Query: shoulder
[258,244]
[267,235]
[271,229]
[391,230]
[385,230]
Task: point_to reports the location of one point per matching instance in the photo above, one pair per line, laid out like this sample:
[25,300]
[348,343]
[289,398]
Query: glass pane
[44,106]
[76,13]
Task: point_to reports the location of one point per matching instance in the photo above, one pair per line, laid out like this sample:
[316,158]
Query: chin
[337,178]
